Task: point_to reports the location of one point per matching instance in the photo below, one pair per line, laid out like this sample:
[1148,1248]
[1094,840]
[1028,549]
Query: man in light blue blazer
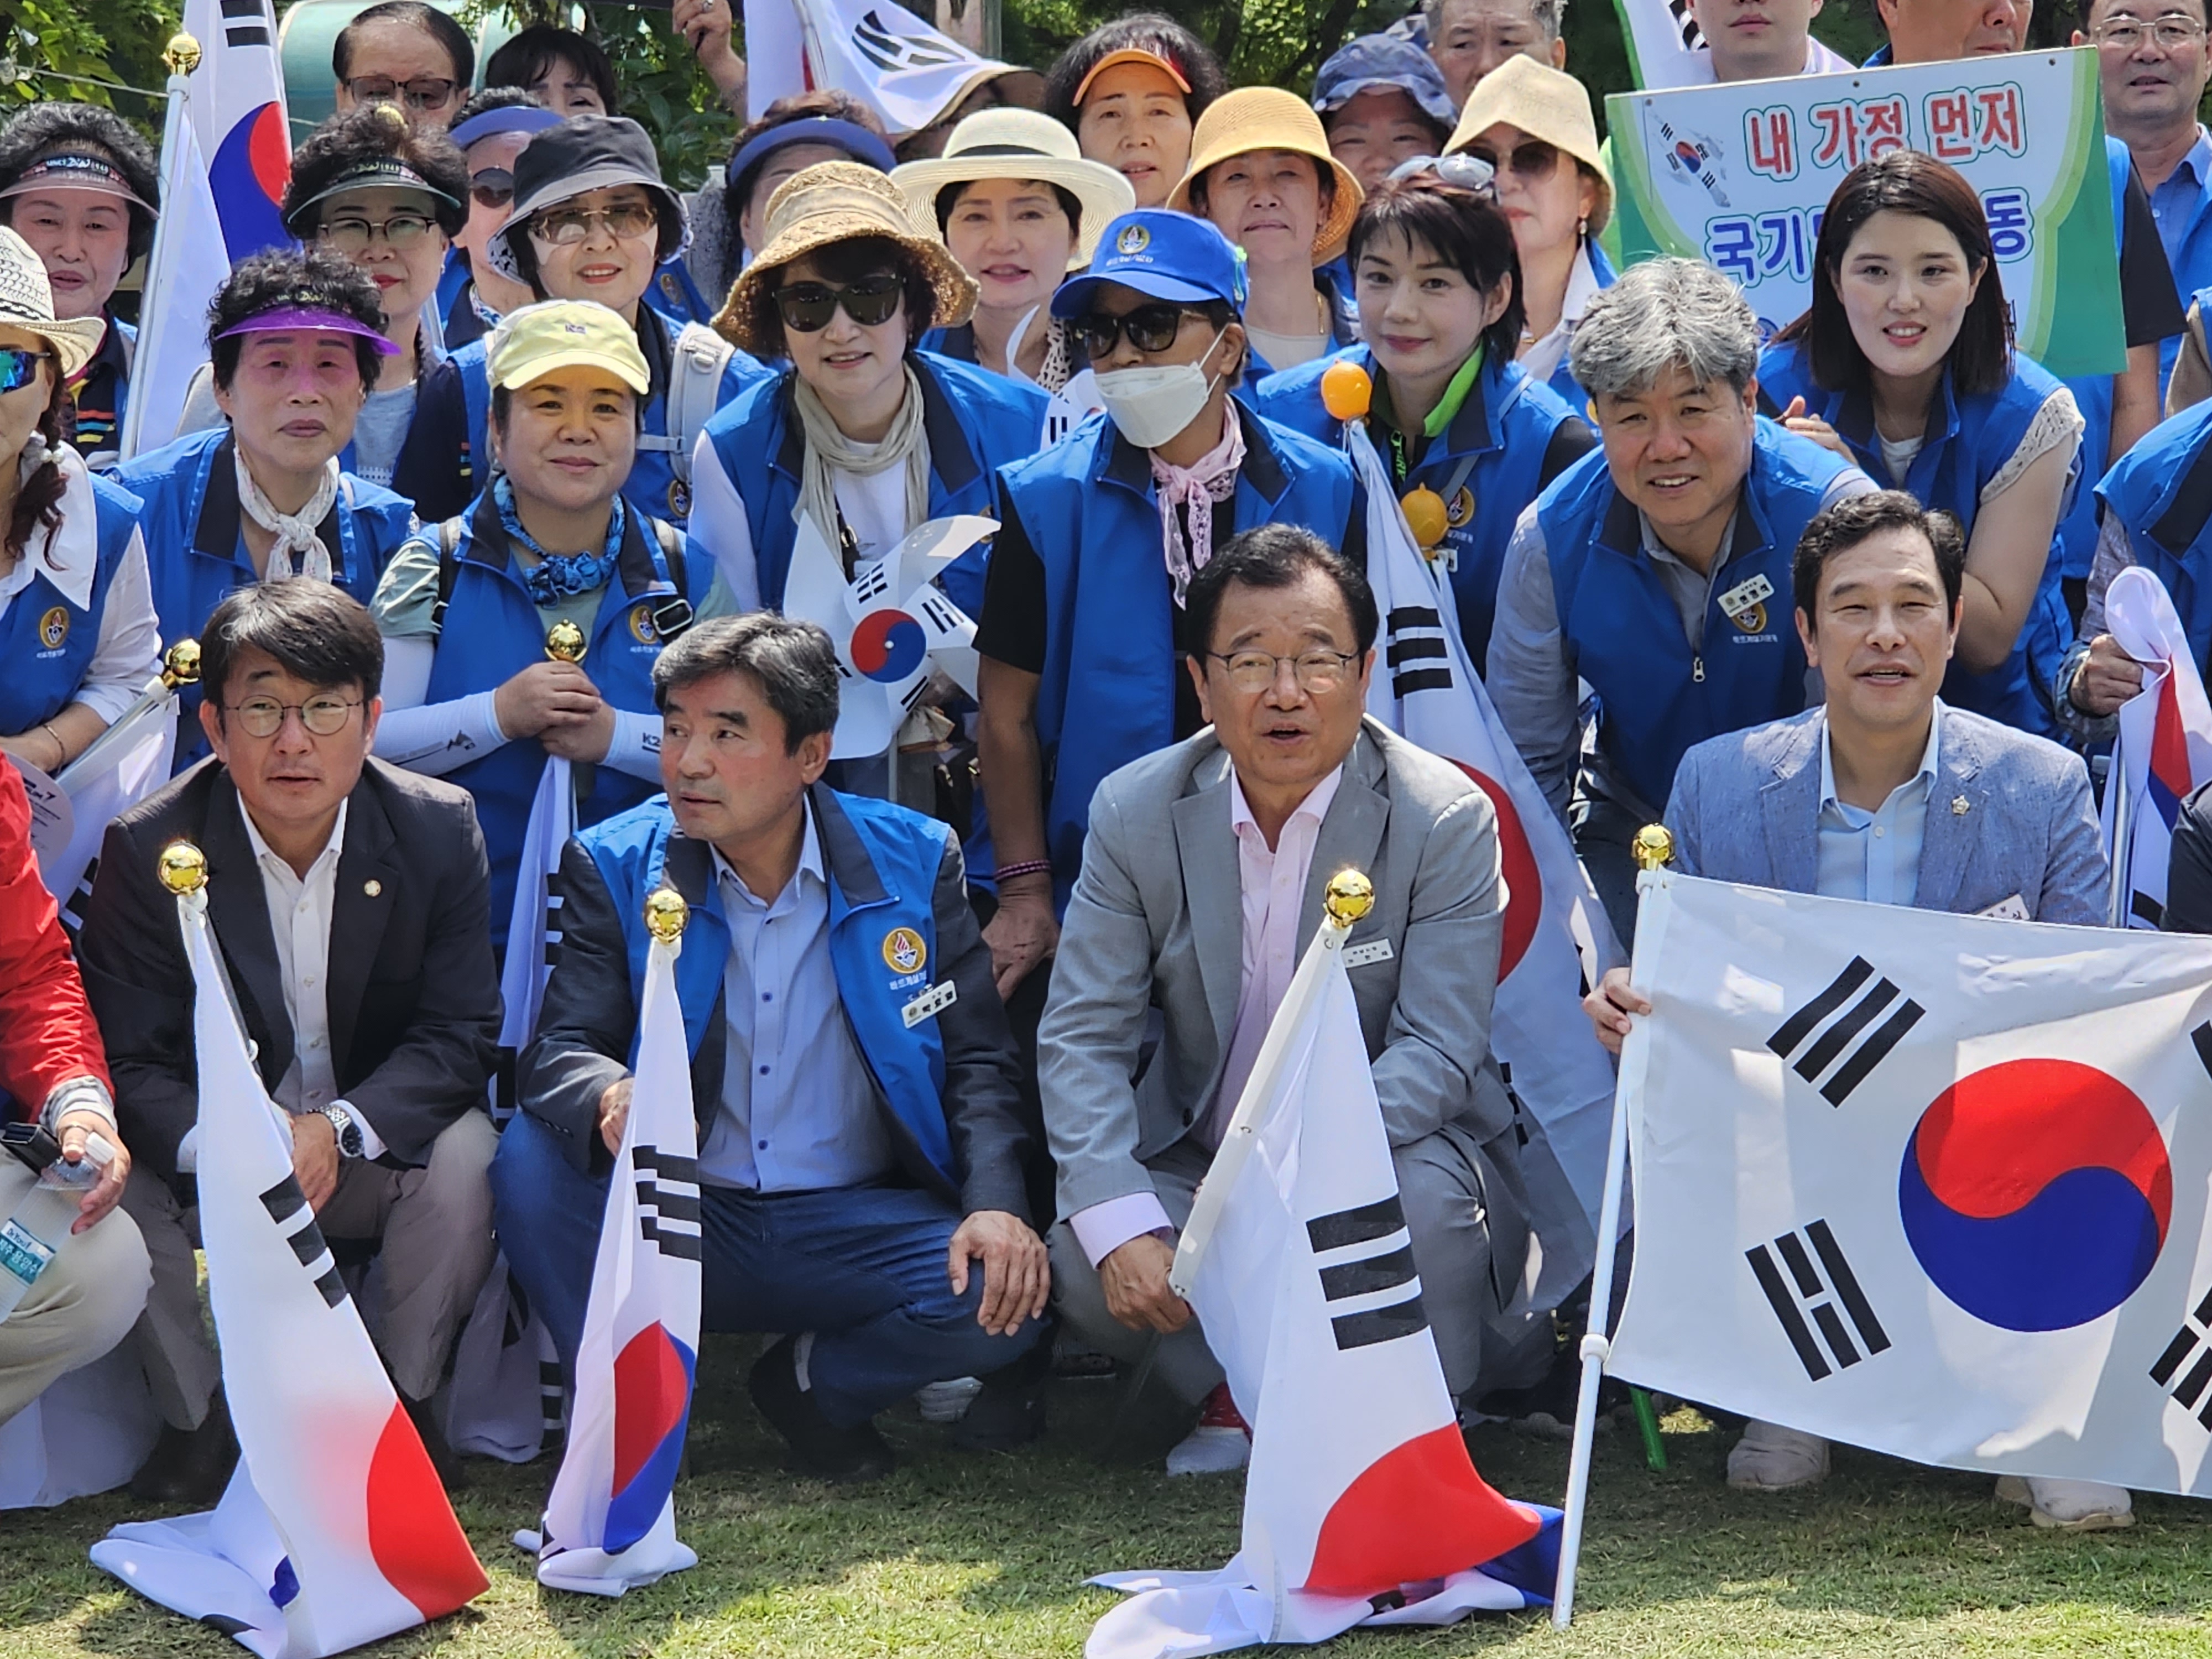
[1885,796]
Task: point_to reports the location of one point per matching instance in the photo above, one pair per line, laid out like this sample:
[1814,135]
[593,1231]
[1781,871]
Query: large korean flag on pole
[2164,751]
[238,120]
[1929,1184]
[334,1531]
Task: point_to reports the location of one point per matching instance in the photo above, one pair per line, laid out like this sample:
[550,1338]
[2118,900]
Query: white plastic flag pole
[183,56]
[1349,896]
[2121,848]
[1653,848]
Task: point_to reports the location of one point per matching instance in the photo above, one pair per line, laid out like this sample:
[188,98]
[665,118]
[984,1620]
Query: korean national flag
[1930,1184]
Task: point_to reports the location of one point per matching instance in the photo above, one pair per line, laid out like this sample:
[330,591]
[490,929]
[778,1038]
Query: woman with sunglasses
[1904,363]
[1532,125]
[77,622]
[491,131]
[593,220]
[1131,91]
[406,54]
[1469,438]
[1081,634]
[297,348]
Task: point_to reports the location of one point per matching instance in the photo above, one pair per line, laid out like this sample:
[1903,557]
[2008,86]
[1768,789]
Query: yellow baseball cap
[532,341]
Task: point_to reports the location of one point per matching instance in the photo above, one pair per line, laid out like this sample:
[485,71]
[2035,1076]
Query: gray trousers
[435,1226]
[1447,1216]
[81,1306]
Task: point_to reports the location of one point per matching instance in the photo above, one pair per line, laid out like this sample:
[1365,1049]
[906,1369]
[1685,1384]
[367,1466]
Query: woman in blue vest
[296,350]
[76,627]
[1081,635]
[593,221]
[1905,364]
[474,688]
[1452,415]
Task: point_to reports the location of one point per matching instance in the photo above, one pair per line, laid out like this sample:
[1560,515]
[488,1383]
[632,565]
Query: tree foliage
[109,53]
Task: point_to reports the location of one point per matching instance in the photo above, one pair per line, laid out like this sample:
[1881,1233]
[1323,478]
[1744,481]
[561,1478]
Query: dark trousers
[862,1267]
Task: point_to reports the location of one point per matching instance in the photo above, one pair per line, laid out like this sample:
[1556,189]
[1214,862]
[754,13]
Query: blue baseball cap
[1169,256]
[1385,62]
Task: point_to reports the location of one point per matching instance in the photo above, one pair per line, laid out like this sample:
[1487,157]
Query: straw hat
[1544,104]
[1267,118]
[27,301]
[840,202]
[1024,144]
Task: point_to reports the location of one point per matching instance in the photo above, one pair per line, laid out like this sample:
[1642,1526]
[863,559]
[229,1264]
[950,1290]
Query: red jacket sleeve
[47,1034]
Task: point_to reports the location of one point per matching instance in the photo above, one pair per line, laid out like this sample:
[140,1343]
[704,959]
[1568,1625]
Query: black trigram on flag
[1416,654]
[1846,1038]
[1801,1289]
[246,22]
[288,1207]
[1365,1257]
[2184,1369]
[667,1201]
[888,50]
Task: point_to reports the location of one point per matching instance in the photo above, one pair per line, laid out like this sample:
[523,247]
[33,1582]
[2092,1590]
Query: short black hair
[831,103]
[373,132]
[44,129]
[842,264]
[312,276]
[792,662]
[493,97]
[1275,555]
[314,631]
[534,50]
[433,22]
[1140,31]
[1465,228]
[1837,529]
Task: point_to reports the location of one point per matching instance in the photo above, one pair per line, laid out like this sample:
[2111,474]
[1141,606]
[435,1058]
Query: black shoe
[190,1466]
[819,1447]
[444,1461]
[1009,1412]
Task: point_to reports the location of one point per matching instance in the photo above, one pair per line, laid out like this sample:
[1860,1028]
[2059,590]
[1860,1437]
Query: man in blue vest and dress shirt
[860,1141]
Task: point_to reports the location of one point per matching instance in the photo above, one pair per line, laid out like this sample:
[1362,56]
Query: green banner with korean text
[1740,176]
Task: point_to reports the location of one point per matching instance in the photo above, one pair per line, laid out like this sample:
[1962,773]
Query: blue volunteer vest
[976,421]
[1622,632]
[1495,448]
[883,945]
[492,631]
[1967,441]
[196,551]
[1090,511]
[46,639]
[2161,491]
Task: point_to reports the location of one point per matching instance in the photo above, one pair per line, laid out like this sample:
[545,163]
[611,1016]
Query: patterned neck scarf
[558,576]
[295,532]
[1196,488]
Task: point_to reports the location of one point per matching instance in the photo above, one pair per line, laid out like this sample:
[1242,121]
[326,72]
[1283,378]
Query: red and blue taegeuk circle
[888,646]
[2037,1193]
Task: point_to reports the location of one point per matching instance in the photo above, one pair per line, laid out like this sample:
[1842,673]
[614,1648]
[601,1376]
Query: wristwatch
[348,1130]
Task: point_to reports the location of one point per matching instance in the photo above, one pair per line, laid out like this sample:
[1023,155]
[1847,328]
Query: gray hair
[1664,314]
[793,663]
[1549,15]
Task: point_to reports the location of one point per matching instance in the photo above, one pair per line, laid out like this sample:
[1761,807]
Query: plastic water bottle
[35,1234]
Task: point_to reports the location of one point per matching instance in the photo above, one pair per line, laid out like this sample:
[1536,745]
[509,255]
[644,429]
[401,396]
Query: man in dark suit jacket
[349,900]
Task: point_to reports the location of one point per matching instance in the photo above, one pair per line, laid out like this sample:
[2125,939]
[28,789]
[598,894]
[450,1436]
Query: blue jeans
[862,1267]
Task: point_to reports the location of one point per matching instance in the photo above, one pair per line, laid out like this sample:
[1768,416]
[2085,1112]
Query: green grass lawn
[965,1556]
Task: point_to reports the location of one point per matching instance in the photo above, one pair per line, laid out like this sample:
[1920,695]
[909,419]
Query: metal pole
[2123,800]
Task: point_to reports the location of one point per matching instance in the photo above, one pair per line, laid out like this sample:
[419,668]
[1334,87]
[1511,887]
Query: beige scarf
[829,451]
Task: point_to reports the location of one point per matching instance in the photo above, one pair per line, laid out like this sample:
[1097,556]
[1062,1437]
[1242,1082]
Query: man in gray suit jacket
[1885,796]
[1201,885]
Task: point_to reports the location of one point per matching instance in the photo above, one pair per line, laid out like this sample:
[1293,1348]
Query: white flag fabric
[533,925]
[240,122]
[188,264]
[1930,1184]
[1425,689]
[130,761]
[2164,750]
[334,1530]
[1665,48]
[1360,1497]
[610,1521]
[911,74]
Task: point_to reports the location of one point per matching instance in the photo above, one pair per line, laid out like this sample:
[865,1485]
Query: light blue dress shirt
[1876,856]
[799,1110]
[2175,204]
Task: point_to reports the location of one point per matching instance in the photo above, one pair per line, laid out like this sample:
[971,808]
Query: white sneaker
[948,1402]
[1220,1444]
[2070,1505]
[1771,1458]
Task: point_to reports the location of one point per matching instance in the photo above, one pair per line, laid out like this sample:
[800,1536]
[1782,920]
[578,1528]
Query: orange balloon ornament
[1426,517]
[1347,393]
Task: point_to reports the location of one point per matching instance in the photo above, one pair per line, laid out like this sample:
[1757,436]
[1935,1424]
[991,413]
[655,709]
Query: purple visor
[288,320]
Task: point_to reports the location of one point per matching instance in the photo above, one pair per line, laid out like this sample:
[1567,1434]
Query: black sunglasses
[493,187]
[1150,328]
[1531,158]
[806,307]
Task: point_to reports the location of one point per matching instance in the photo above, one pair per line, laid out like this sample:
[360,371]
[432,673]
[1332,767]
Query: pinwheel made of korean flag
[891,625]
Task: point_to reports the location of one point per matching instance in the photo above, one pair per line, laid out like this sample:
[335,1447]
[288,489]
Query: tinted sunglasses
[807,307]
[494,188]
[19,367]
[1150,328]
[1531,158]
[1468,171]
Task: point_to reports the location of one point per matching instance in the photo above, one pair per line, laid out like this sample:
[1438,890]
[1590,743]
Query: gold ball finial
[665,913]
[180,665]
[565,642]
[1351,896]
[182,868]
[182,54]
[1653,848]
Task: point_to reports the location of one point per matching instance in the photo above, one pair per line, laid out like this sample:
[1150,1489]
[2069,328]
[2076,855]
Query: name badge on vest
[1376,950]
[935,1000]
[1745,604]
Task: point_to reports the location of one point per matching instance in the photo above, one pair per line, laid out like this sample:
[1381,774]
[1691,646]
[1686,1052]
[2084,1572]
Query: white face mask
[1149,406]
